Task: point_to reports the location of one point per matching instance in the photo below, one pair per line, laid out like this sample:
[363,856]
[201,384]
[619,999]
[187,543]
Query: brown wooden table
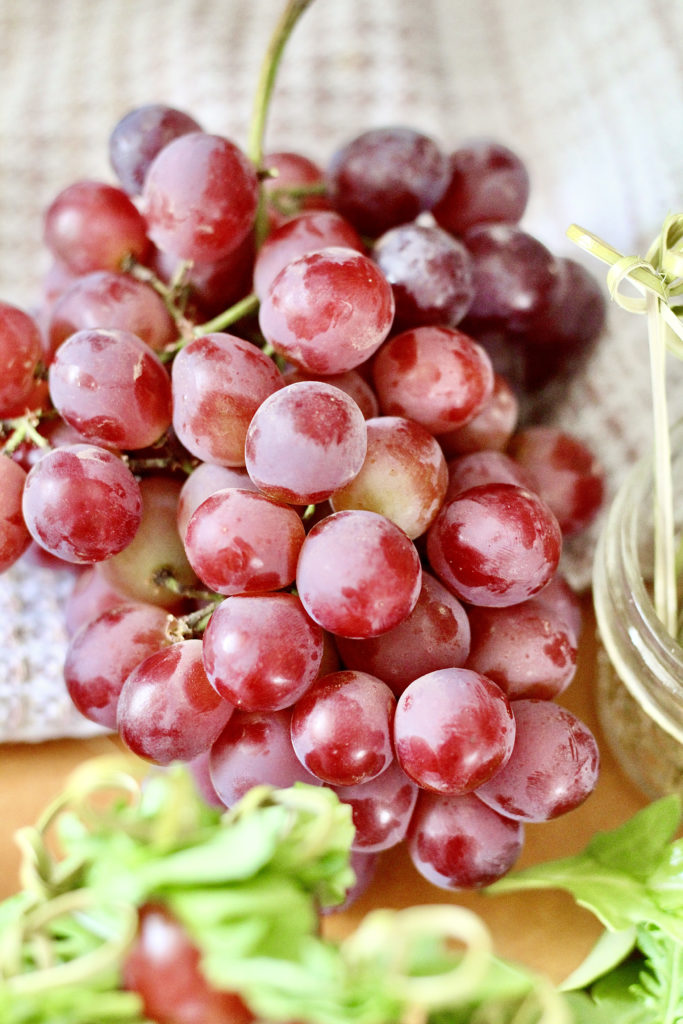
[544,930]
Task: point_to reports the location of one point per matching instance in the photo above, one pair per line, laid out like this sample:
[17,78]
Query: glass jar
[640,666]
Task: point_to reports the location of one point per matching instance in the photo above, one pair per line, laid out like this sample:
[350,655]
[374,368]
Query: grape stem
[262,97]
[269,68]
[657,278]
[23,428]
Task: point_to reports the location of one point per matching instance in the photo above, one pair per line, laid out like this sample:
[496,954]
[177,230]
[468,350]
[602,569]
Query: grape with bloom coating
[14,536]
[200,197]
[358,574]
[495,545]
[488,183]
[328,311]
[386,176]
[105,651]
[168,709]
[453,730]
[490,429]
[435,635]
[487,466]
[566,473]
[295,184]
[381,809]
[218,383]
[82,503]
[341,728]
[456,842]
[553,767]
[111,388]
[255,748]
[430,275]
[21,349]
[516,278]
[437,376]
[262,651]
[526,648]
[352,382]
[111,300]
[304,442]
[240,542]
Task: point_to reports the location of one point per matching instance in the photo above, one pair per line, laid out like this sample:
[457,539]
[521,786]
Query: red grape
[21,349]
[435,635]
[437,376]
[485,467]
[82,503]
[218,382]
[456,842]
[525,648]
[262,651]
[430,274]
[112,300]
[381,809]
[105,650]
[495,545]
[386,176]
[163,966]
[94,226]
[304,442]
[14,536]
[488,182]
[341,728]
[355,386]
[255,749]
[490,429]
[453,730]
[567,475]
[90,596]
[240,542]
[328,311]
[358,575]
[200,197]
[167,709]
[516,280]
[292,174]
[203,481]
[111,388]
[553,767]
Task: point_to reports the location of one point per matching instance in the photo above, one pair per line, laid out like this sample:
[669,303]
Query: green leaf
[660,987]
[611,877]
[609,951]
[638,845]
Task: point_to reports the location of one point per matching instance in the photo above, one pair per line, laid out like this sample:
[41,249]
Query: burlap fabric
[589,93]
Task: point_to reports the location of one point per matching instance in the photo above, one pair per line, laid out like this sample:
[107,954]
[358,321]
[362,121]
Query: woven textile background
[588,92]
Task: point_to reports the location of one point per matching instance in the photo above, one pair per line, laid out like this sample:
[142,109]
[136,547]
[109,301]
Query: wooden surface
[544,930]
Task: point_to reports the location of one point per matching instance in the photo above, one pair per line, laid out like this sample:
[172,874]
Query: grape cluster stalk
[271,415]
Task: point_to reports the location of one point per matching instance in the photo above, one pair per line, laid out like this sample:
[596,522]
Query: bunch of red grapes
[271,415]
